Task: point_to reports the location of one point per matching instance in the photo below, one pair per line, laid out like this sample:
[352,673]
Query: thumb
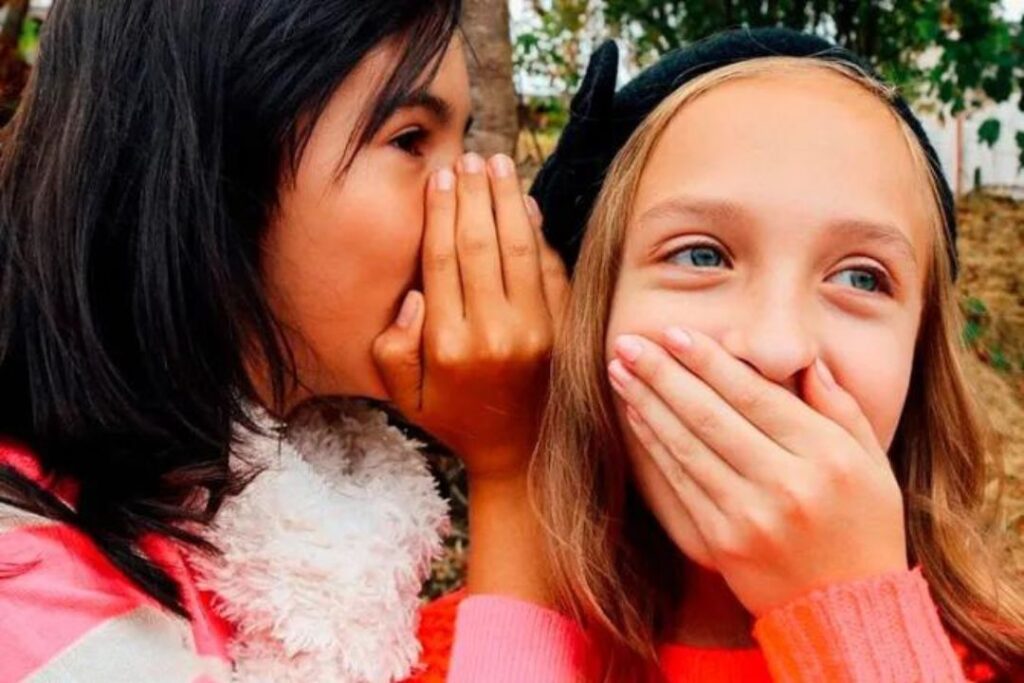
[824,395]
[396,352]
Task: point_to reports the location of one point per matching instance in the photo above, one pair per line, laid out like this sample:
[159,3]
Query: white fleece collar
[324,553]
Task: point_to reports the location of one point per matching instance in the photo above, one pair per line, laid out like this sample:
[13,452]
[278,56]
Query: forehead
[808,141]
[452,78]
[447,78]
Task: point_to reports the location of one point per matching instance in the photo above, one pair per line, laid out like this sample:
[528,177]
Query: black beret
[602,120]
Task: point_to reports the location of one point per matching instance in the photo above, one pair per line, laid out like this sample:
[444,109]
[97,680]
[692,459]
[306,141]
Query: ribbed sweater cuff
[504,640]
[885,628]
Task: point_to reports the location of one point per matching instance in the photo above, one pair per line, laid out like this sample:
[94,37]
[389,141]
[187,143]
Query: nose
[775,335]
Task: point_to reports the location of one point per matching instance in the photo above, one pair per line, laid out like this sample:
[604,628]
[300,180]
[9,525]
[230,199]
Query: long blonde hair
[615,569]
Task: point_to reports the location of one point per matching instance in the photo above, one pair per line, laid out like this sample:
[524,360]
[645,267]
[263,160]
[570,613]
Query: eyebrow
[438,107]
[876,232]
[726,212]
[711,210]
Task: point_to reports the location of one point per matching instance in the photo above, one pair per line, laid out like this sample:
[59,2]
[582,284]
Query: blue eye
[859,278]
[700,256]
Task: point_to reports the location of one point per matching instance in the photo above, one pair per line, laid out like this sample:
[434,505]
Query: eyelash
[885,282]
[408,141]
[726,260]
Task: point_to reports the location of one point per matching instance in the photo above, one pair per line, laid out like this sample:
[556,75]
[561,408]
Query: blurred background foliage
[950,56]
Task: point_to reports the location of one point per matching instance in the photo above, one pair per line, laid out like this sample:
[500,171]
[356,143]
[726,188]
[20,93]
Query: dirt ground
[992,257]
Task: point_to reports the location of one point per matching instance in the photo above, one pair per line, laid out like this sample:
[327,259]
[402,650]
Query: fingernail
[619,374]
[472,163]
[825,374]
[410,309]
[532,207]
[444,180]
[629,347]
[502,166]
[679,338]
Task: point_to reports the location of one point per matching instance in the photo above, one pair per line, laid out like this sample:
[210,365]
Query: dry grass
[992,257]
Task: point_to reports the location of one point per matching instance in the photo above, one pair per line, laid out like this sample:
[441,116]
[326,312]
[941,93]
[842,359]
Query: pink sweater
[67,614]
[881,629]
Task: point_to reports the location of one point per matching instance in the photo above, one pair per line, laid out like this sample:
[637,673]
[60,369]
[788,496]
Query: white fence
[967,160]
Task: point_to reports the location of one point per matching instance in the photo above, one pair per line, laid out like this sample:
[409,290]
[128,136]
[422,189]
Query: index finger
[776,412]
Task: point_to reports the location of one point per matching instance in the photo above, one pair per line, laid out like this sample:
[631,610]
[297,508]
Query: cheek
[638,308]
[339,258]
[642,307]
[873,362]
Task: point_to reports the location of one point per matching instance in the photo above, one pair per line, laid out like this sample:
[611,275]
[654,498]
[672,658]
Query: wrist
[507,549]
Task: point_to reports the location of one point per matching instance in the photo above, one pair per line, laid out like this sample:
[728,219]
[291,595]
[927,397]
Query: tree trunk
[13,69]
[17,10]
[489,54]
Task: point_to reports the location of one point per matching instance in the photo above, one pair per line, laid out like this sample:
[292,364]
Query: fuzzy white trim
[324,553]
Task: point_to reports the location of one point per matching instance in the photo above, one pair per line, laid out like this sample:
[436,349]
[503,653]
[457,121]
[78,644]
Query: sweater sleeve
[504,640]
[884,628]
[67,614]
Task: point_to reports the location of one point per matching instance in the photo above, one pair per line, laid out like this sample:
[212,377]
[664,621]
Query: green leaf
[1020,146]
[988,132]
[975,307]
[972,332]
[1000,86]
[998,359]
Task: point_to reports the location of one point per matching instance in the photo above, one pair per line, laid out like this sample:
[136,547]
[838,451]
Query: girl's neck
[709,615]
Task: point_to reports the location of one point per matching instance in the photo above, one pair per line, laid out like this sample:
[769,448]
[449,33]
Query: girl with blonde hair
[760,460]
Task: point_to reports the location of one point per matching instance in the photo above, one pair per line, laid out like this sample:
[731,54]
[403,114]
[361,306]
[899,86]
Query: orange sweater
[709,665]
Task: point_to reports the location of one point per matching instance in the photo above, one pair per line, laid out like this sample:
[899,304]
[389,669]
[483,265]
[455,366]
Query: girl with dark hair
[212,213]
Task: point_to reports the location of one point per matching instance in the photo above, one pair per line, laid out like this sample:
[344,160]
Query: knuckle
[758,529]
[682,447]
[794,503]
[839,468]
[730,544]
[474,244]
[537,344]
[494,346]
[438,261]
[519,250]
[446,353]
[751,400]
[554,273]
[677,479]
[705,422]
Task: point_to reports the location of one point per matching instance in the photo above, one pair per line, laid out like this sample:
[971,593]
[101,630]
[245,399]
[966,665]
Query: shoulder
[65,608]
